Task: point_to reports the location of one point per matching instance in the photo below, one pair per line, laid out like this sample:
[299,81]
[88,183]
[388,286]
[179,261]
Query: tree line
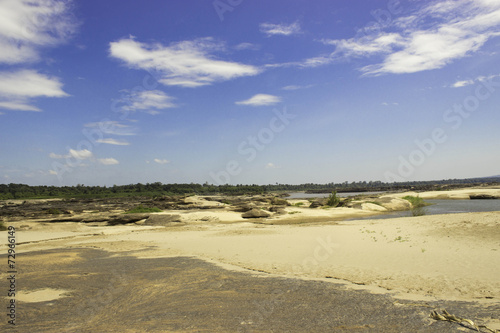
[23,191]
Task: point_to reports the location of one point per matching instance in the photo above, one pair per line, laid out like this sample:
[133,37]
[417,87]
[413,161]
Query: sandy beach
[451,257]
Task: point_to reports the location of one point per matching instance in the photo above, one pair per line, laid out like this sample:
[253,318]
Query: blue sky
[248,92]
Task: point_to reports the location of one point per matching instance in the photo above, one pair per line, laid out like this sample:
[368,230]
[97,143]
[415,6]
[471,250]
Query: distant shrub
[142,209]
[3,227]
[417,205]
[415,201]
[333,200]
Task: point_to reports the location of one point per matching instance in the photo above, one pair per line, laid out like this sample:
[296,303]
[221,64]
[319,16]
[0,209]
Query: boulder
[373,207]
[255,213]
[163,219]
[261,199]
[318,203]
[278,210]
[244,207]
[279,202]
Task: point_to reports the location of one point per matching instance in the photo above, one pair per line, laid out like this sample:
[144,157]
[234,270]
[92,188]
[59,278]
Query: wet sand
[106,292]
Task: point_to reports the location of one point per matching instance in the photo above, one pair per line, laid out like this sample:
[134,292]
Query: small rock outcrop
[279,202]
[163,219]
[255,213]
[244,207]
[127,218]
[373,207]
[318,203]
[482,196]
[278,210]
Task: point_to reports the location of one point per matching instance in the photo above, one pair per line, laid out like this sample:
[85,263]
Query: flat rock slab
[105,292]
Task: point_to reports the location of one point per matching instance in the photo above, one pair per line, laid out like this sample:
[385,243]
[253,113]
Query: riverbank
[454,257]
[425,259]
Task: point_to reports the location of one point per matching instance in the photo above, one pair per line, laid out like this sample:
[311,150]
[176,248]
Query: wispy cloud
[272,166]
[460,28]
[82,154]
[108,161]
[27,26]
[367,45]
[464,83]
[161,161]
[430,37]
[185,64]
[110,141]
[17,89]
[247,46]
[76,157]
[297,87]
[280,29]
[149,101]
[260,100]
[112,127]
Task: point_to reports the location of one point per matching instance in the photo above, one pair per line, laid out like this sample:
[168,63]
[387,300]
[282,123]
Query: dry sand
[447,257]
[452,194]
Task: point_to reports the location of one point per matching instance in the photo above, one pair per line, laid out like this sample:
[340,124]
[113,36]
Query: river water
[436,207]
[448,207]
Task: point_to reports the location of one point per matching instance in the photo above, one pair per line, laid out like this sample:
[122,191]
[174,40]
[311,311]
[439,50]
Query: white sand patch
[41,295]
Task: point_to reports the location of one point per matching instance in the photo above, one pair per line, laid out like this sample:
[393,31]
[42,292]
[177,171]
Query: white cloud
[110,141]
[260,100]
[57,156]
[148,101]
[161,161]
[108,161]
[19,87]
[26,26]
[112,127]
[272,166]
[280,29]
[78,154]
[459,28]
[462,83]
[367,45]
[186,63]
[18,106]
[431,36]
[81,154]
